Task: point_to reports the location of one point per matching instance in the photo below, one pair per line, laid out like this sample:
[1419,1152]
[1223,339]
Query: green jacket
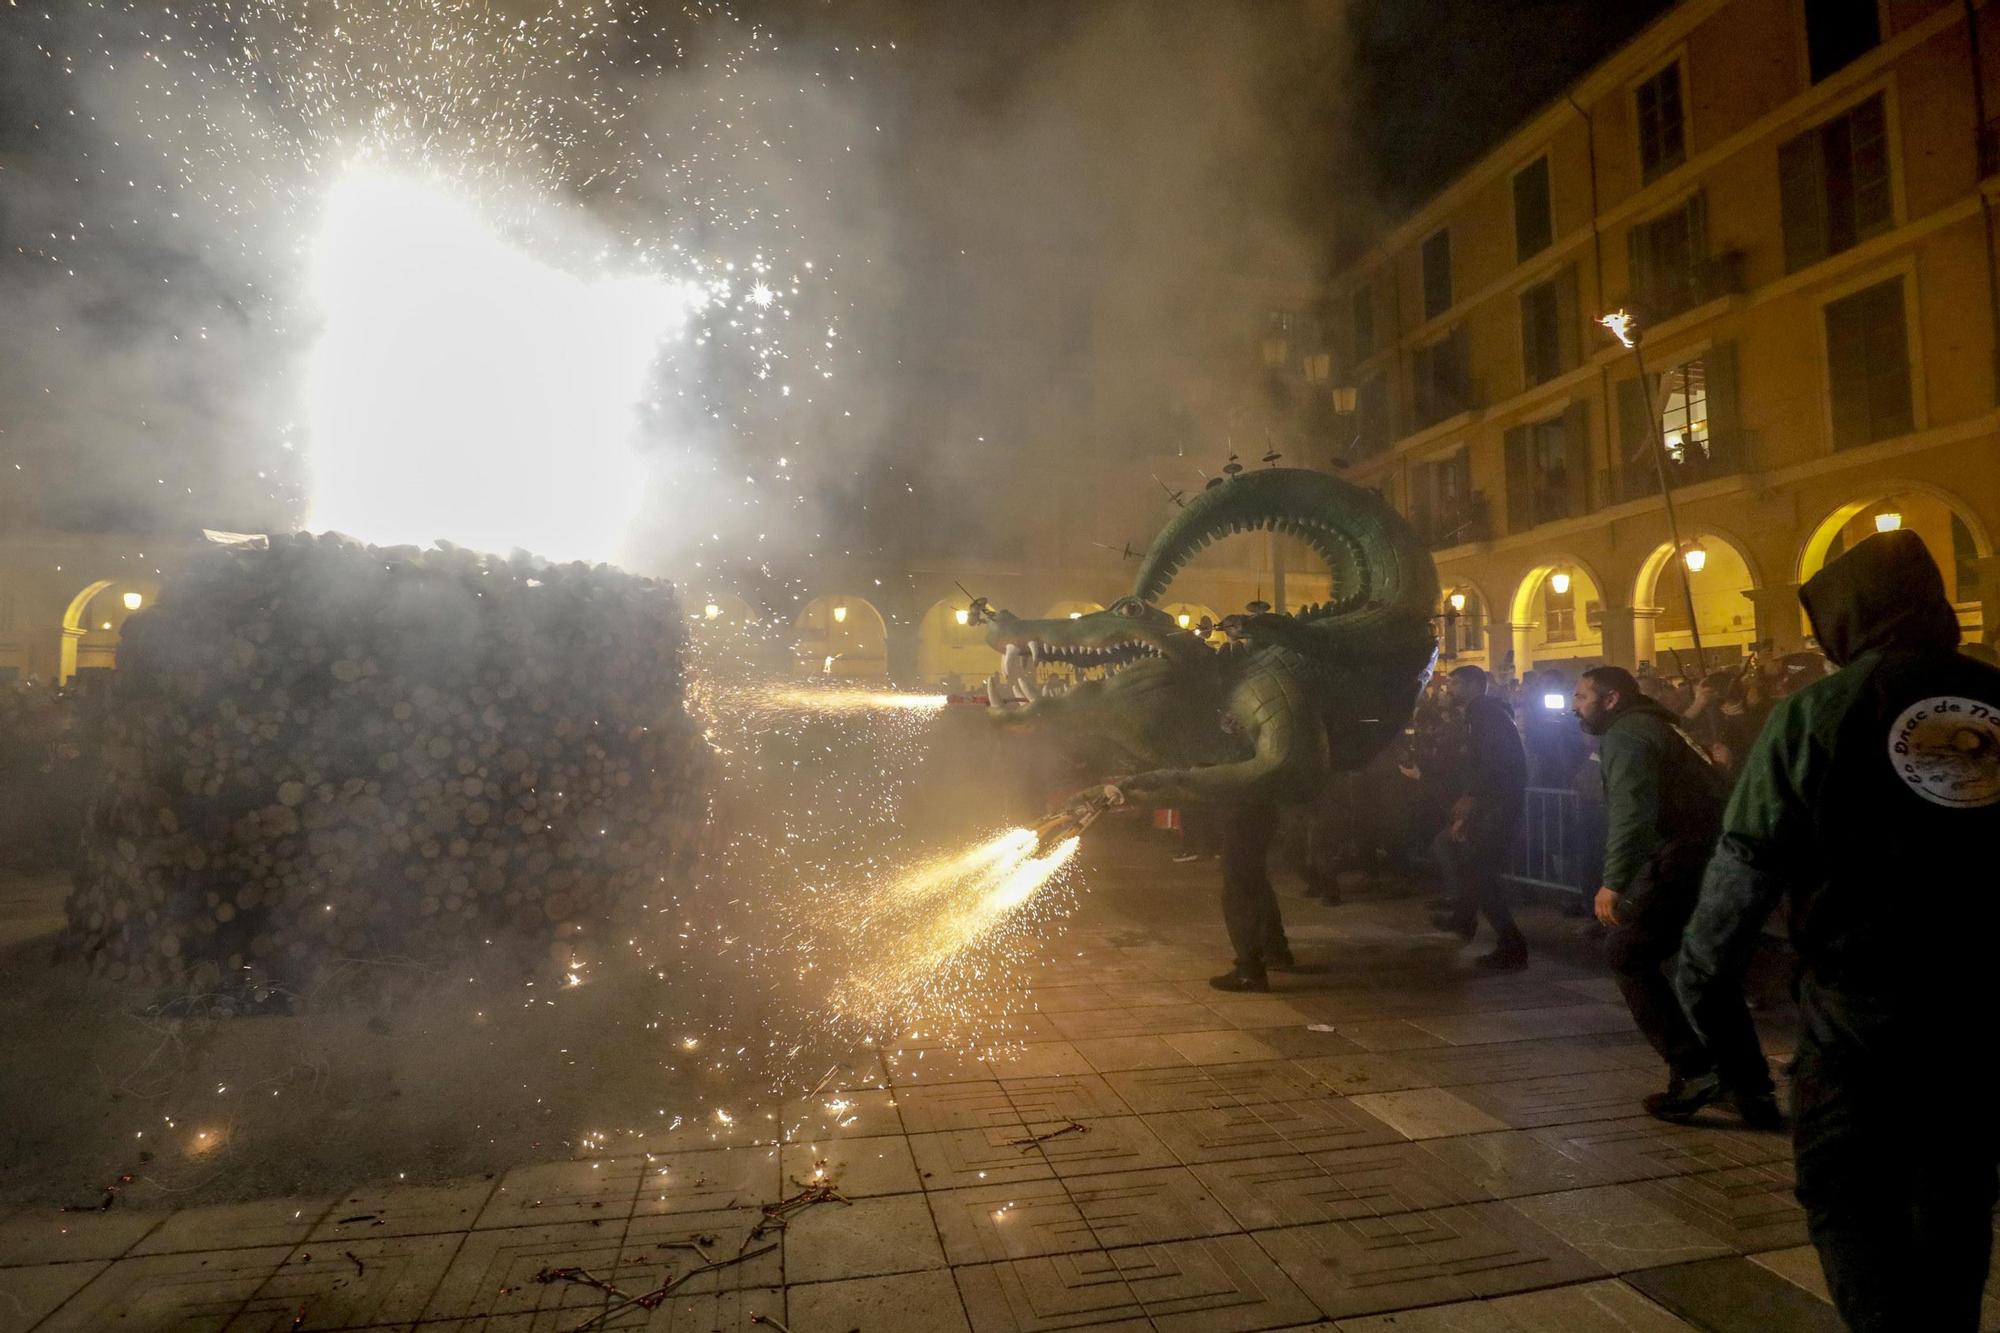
[1659,789]
[1872,798]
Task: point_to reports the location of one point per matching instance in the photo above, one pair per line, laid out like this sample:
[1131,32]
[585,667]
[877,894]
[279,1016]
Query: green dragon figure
[1289,699]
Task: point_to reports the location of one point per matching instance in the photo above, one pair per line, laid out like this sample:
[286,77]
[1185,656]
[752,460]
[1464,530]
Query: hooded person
[1872,799]
[1663,807]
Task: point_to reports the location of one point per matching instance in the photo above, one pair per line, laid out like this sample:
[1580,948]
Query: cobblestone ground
[1392,1139]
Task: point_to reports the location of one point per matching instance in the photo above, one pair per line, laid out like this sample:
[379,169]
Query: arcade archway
[1950,530]
[94,622]
[843,636]
[951,650]
[1725,615]
[1556,615]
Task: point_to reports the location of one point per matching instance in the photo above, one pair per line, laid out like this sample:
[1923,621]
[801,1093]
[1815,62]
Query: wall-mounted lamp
[839,615]
[133,601]
[1559,583]
[1888,520]
[1457,601]
[963,616]
[1185,619]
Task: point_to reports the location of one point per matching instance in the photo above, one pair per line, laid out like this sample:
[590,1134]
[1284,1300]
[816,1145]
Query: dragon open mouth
[1020,661]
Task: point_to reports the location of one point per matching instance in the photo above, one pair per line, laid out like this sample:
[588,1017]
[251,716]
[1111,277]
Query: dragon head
[1146,686]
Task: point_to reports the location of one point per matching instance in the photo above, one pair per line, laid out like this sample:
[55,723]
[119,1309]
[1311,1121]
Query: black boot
[1683,1098]
[1758,1110]
[1241,978]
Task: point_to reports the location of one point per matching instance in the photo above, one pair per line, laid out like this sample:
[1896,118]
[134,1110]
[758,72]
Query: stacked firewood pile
[321,753]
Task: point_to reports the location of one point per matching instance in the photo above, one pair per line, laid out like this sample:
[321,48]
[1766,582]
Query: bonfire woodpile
[320,754]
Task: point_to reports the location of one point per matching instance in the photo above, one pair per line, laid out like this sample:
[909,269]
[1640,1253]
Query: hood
[1632,708]
[1884,594]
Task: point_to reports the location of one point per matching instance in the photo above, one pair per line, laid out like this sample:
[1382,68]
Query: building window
[1668,256]
[1443,508]
[1546,461]
[1695,418]
[1838,33]
[1437,275]
[1868,366]
[1534,223]
[1541,333]
[1662,127]
[1440,379]
[1834,185]
[1684,411]
[1364,322]
[1371,416]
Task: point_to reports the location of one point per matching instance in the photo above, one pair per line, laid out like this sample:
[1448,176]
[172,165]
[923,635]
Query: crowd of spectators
[44,738]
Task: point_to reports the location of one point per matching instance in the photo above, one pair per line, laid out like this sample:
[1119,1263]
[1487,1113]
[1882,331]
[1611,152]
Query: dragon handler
[1264,720]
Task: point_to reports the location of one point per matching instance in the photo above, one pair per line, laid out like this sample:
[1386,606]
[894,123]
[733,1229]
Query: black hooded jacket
[1873,796]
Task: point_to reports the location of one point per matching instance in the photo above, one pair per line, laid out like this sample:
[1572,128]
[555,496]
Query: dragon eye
[1131,610]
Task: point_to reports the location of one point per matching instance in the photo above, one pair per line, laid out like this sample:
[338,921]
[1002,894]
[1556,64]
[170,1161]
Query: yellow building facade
[1795,204]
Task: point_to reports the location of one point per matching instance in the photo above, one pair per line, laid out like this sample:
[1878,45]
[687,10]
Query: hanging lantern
[133,601]
[840,615]
[1458,601]
[963,616]
[1559,583]
[1696,556]
[1888,520]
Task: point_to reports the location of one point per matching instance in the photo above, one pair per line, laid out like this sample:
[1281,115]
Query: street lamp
[1626,330]
[1696,556]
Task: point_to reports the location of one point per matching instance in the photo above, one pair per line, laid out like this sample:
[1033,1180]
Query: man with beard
[1872,799]
[1663,808]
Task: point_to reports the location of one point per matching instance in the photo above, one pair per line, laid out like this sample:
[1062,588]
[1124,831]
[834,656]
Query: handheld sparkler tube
[1082,810]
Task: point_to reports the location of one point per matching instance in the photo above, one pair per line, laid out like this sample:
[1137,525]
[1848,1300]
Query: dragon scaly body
[1291,698]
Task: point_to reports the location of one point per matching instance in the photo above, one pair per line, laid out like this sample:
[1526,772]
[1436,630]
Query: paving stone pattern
[1392,1140]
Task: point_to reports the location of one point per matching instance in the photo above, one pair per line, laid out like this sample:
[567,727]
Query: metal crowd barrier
[1562,842]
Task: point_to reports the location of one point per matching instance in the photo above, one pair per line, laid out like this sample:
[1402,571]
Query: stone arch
[91,629]
[1536,634]
[1723,606]
[948,646]
[1841,521]
[1945,522]
[845,636]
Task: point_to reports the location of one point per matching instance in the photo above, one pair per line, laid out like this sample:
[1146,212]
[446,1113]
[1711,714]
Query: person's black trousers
[1471,872]
[1898,1172]
[1653,913]
[1249,904]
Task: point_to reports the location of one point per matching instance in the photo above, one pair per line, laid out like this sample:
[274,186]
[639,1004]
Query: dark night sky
[1456,76]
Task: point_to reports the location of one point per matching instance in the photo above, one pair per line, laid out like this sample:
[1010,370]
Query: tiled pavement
[1395,1142]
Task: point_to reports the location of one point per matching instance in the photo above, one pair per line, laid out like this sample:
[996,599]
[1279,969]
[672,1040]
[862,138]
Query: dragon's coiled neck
[1381,572]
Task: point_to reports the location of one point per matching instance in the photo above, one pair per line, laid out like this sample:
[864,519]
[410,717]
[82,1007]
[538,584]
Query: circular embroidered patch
[1948,750]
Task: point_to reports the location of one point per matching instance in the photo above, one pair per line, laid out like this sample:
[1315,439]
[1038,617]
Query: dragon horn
[1380,569]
